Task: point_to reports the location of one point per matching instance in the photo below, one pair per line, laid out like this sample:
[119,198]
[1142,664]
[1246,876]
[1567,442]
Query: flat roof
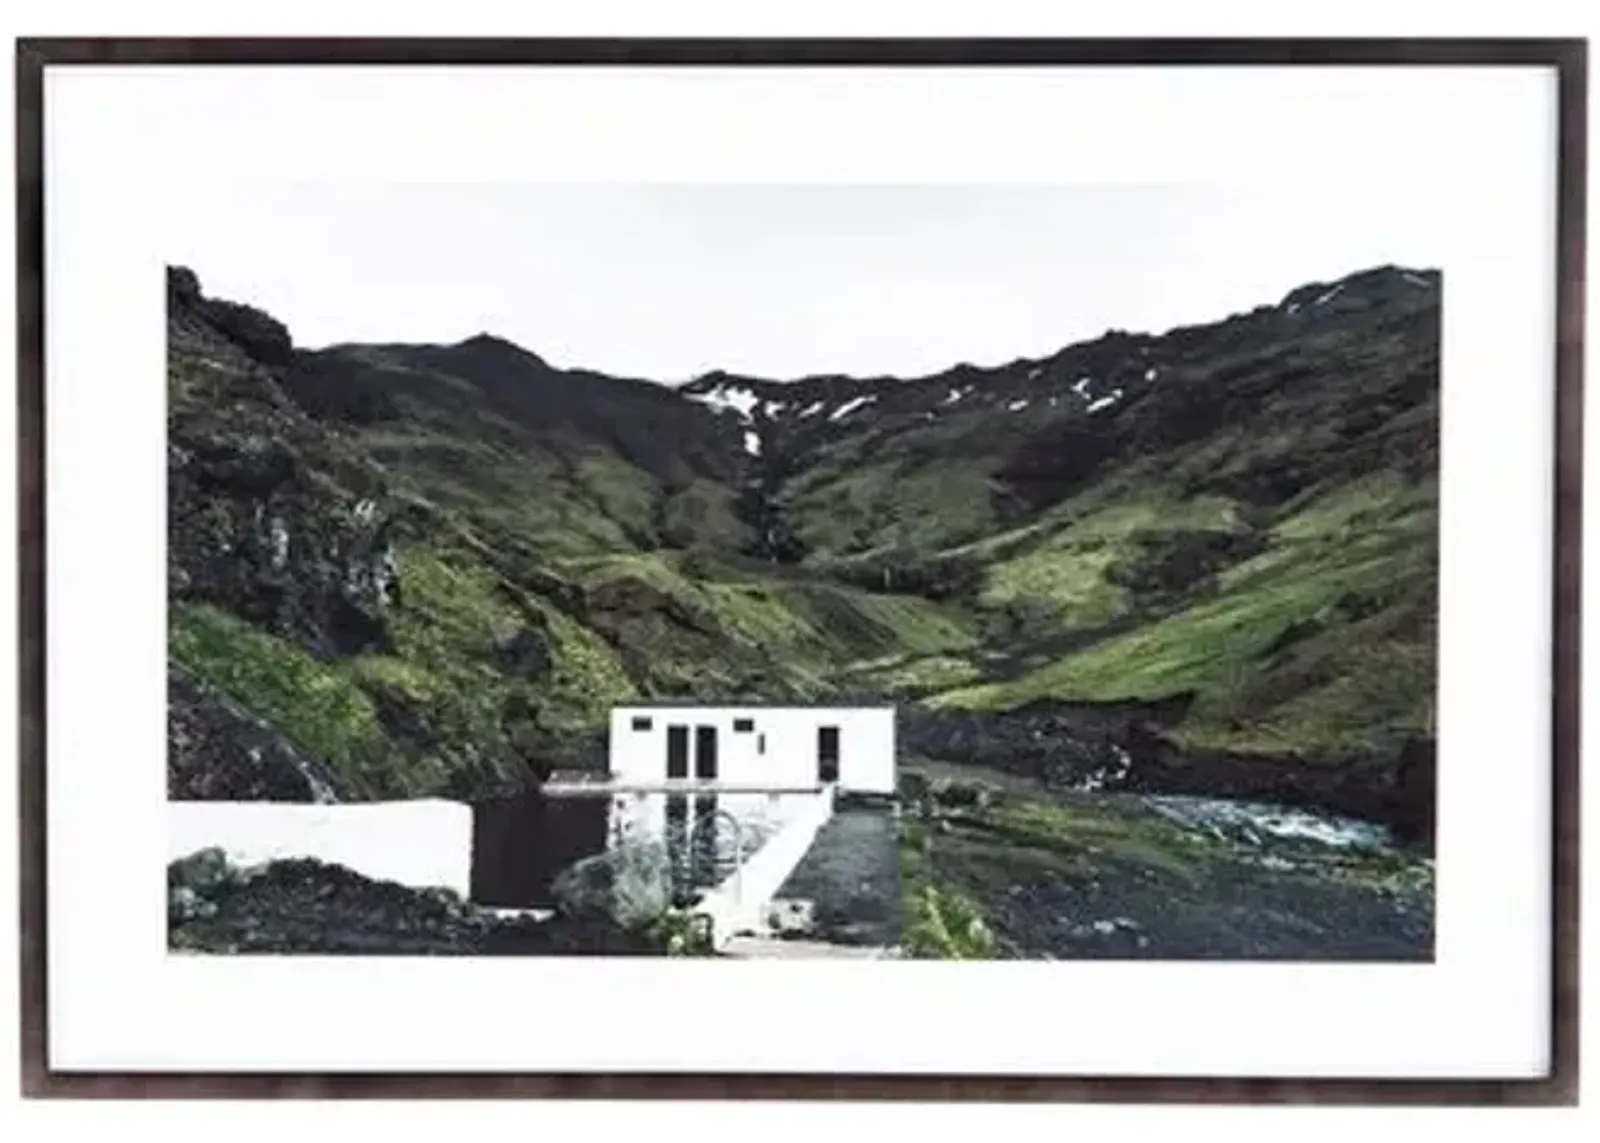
[608,784]
[751,704]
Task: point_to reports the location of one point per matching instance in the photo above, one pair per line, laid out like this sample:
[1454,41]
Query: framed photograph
[966,569]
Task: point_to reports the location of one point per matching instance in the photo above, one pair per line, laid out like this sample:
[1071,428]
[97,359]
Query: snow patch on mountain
[741,401]
[851,406]
[752,443]
[1105,402]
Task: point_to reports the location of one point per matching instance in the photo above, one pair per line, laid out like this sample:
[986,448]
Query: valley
[1201,563]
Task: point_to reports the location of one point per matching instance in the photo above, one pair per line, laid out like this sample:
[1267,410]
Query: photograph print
[818,571]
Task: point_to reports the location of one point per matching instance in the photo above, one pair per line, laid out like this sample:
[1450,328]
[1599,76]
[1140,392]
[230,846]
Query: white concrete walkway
[739,904]
[772,948]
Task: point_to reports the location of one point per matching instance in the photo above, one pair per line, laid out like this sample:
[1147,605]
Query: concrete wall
[422,844]
[780,748]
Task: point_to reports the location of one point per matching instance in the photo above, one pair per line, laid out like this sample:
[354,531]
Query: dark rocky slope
[310,907]
[217,751]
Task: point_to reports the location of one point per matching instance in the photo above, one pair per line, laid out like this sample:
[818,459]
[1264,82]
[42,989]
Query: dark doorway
[705,752]
[677,752]
[827,753]
[702,847]
[677,840]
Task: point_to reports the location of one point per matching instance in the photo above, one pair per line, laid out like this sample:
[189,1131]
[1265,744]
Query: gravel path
[1240,912]
[852,873]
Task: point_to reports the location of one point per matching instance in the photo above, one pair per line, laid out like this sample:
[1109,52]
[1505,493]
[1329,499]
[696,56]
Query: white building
[756,746]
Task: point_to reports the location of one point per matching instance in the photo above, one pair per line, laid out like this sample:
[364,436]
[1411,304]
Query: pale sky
[670,281]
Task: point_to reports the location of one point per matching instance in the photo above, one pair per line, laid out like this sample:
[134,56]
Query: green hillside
[435,568]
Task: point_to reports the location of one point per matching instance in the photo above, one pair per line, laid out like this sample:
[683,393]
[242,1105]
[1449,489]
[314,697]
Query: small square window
[743,725]
[641,723]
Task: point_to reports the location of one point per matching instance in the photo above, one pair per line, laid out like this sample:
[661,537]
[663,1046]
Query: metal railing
[738,849]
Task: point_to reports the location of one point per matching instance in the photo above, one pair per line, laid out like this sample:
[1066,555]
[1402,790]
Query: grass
[587,679]
[651,569]
[1323,643]
[903,623]
[498,478]
[478,721]
[1109,513]
[798,636]
[1096,834]
[841,510]
[1012,838]
[319,707]
[1072,585]
[902,674]
[619,491]
[938,921]
[1064,566]
[453,610]
[1017,839]
[942,924]
[702,514]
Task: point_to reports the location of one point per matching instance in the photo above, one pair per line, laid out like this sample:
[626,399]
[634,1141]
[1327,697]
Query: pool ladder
[738,847]
[620,831]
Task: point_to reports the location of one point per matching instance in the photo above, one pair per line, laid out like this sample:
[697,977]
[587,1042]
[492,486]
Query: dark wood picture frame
[1568,59]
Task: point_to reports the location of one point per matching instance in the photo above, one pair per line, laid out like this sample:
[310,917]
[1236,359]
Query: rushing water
[1256,823]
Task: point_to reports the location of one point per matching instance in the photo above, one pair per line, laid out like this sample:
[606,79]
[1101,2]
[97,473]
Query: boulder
[203,872]
[629,885]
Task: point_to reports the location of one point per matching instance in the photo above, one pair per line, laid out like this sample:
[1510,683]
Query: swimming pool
[521,844]
[706,836]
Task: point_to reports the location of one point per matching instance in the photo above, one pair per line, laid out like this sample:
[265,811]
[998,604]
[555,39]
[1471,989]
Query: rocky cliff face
[270,516]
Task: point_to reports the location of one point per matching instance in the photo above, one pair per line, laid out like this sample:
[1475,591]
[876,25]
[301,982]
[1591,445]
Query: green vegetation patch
[586,681]
[1322,643]
[1066,567]
[318,706]
[901,674]
[838,510]
[938,922]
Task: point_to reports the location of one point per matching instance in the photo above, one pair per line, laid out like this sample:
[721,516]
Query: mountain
[433,568]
